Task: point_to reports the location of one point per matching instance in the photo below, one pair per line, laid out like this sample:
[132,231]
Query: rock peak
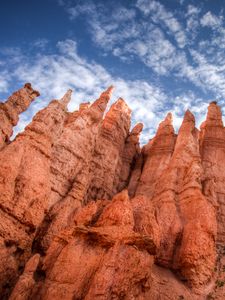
[187,126]
[213,102]
[169,118]
[101,103]
[121,104]
[17,103]
[214,115]
[66,98]
[29,88]
[137,129]
[188,116]
[109,90]
[166,126]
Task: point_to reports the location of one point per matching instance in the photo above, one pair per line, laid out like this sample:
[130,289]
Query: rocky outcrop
[25,184]
[157,154]
[73,151]
[131,150]
[17,103]
[86,213]
[105,242]
[110,143]
[171,180]
[212,149]
[70,166]
[195,256]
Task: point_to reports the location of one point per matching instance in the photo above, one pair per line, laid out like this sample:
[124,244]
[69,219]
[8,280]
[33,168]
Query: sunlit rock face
[87,213]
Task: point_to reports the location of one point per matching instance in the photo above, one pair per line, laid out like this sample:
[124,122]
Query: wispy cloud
[4,84]
[160,39]
[192,22]
[162,16]
[52,75]
[211,20]
[182,47]
[207,75]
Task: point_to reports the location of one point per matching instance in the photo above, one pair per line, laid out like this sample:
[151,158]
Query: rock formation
[10,110]
[86,213]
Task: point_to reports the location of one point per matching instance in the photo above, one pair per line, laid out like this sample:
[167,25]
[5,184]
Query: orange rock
[126,160]
[26,282]
[70,166]
[106,258]
[157,154]
[87,214]
[109,147]
[10,110]
[24,180]
[212,149]
[196,254]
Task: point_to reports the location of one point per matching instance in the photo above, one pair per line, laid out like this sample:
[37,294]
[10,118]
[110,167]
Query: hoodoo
[87,213]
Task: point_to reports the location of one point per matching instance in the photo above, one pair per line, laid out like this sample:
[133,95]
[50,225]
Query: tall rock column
[108,150]
[25,184]
[10,110]
[157,154]
[195,250]
[157,184]
[212,149]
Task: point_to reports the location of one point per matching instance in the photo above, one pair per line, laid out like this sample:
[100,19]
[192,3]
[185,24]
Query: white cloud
[147,33]
[211,20]
[192,22]
[159,14]
[158,39]
[52,75]
[156,52]
[193,10]
[4,85]
[208,76]
[118,31]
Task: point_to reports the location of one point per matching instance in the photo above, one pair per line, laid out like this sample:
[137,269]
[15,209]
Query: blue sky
[160,55]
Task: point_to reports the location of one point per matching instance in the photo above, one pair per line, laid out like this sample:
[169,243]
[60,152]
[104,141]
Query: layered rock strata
[86,213]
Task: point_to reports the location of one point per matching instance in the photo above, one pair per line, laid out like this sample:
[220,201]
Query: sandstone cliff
[86,213]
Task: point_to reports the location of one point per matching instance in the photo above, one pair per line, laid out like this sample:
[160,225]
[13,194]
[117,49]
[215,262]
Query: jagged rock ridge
[86,213]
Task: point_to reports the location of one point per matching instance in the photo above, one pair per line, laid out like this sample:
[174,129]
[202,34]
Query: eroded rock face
[212,149]
[25,185]
[157,154]
[10,110]
[70,165]
[171,180]
[86,213]
[105,244]
[110,144]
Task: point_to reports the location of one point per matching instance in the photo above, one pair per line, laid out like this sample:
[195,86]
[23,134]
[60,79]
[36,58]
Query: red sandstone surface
[86,213]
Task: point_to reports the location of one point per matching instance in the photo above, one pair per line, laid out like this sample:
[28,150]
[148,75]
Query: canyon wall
[86,213]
